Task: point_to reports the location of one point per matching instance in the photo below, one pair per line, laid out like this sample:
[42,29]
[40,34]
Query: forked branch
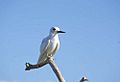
[51,62]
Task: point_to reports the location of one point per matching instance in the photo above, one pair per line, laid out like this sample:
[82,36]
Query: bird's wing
[43,49]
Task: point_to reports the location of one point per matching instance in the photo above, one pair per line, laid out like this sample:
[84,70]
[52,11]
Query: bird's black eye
[54,29]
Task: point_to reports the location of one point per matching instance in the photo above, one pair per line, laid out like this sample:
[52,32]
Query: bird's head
[55,30]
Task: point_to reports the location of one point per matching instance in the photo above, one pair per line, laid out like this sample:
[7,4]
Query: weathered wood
[54,67]
[34,66]
[56,70]
[83,79]
[49,61]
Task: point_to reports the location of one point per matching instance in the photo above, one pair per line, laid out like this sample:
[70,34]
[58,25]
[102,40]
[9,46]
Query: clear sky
[91,45]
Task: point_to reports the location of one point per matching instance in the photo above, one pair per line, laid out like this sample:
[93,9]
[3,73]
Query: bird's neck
[53,35]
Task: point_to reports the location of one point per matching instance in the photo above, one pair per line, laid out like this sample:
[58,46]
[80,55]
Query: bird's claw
[50,58]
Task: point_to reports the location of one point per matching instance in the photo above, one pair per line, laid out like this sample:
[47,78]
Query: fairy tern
[49,45]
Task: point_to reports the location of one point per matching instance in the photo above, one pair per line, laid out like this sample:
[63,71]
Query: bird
[50,45]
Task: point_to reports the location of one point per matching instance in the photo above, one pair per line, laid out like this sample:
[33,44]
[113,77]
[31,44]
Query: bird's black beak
[60,32]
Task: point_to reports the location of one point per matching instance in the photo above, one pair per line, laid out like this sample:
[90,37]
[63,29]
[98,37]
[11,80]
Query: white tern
[49,45]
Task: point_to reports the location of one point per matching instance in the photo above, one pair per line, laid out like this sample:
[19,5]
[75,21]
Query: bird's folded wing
[56,48]
[43,49]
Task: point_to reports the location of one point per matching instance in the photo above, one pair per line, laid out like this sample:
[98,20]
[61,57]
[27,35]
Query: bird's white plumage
[49,45]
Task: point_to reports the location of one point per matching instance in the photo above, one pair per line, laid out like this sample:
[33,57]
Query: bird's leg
[50,57]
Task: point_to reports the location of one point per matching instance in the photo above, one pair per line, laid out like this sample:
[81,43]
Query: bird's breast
[54,46]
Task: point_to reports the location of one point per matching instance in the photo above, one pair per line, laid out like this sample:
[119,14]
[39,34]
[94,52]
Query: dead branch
[51,62]
[56,70]
[54,67]
[34,66]
[84,78]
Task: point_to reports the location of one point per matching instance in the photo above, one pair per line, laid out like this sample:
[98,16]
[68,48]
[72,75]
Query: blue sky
[91,45]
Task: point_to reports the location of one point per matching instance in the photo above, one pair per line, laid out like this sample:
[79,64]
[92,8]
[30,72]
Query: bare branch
[84,79]
[56,70]
[54,67]
[34,66]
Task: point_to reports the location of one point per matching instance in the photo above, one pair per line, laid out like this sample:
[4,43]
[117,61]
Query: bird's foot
[50,58]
